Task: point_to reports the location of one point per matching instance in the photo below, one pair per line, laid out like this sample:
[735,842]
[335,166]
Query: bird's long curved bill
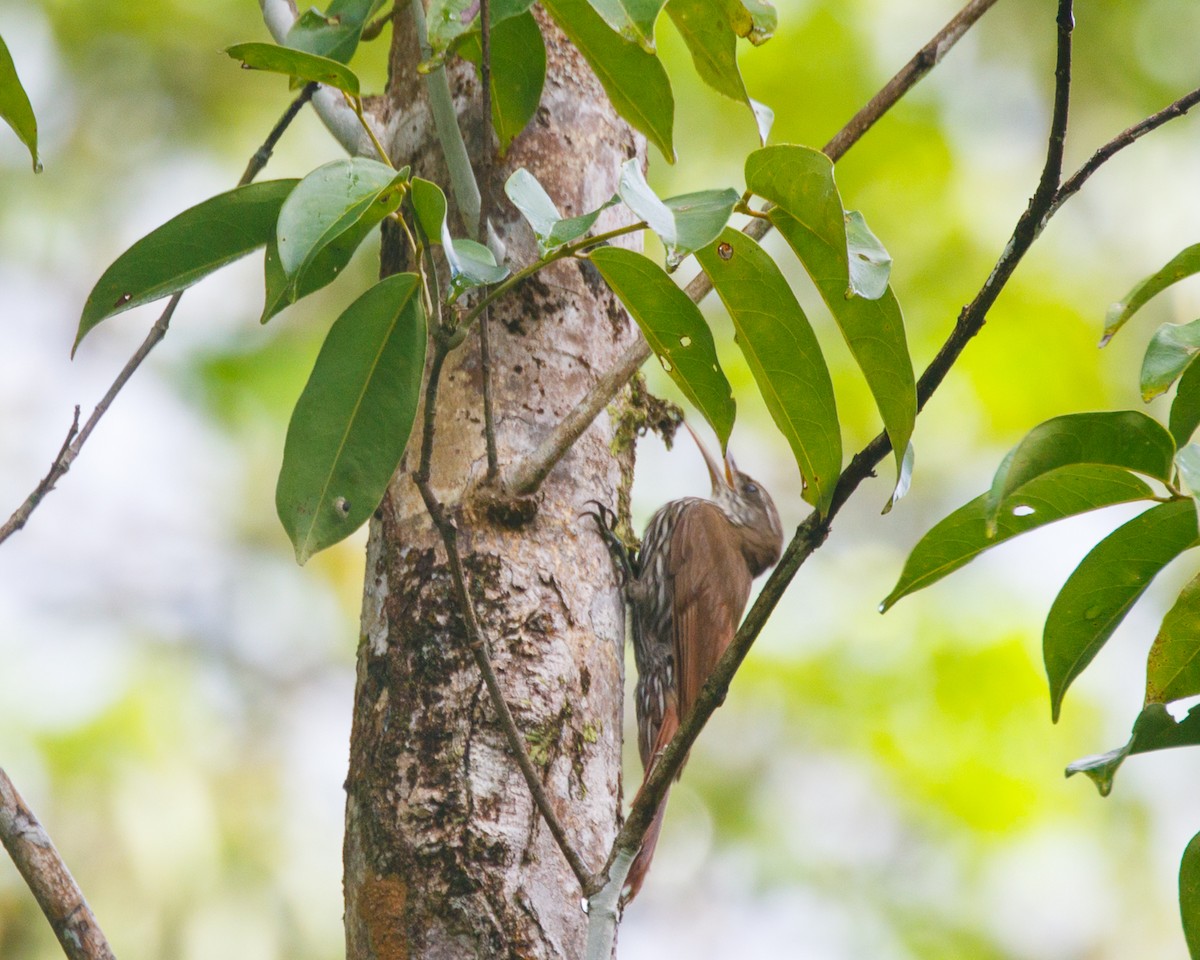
[721,475]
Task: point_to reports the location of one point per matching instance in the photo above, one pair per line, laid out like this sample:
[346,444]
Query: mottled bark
[446,856]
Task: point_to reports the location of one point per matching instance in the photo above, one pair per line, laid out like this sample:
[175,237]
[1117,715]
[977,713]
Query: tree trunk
[445,854]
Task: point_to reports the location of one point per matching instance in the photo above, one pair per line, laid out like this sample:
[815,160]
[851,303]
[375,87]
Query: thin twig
[525,476]
[77,437]
[485,184]
[48,878]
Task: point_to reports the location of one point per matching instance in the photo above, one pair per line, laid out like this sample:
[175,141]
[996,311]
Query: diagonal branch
[48,879]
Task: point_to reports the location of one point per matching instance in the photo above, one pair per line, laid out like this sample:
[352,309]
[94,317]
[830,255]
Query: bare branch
[48,878]
[485,185]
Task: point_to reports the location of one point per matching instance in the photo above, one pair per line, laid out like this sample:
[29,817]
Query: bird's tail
[641,863]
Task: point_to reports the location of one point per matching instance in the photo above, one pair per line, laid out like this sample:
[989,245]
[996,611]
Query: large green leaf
[632,19]
[353,419]
[1154,729]
[1189,896]
[963,535]
[449,21]
[634,80]
[15,109]
[1185,408]
[295,63]
[517,75]
[784,356]
[1105,586]
[333,200]
[1124,438]
[1173,665]
[185,249]
[1183,264]
[1170,352]
[334,33]
[675,330]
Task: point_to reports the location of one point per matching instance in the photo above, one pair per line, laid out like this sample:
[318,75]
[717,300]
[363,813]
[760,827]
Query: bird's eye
[750,487]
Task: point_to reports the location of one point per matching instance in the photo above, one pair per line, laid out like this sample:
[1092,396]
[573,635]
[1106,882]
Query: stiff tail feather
[641,863]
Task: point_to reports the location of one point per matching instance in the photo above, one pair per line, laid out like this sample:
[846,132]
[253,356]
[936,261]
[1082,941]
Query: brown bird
[686,596]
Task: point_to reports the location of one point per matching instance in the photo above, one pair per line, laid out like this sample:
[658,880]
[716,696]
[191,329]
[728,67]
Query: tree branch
[48,878]
[77,437]
[524,477]
[485,183]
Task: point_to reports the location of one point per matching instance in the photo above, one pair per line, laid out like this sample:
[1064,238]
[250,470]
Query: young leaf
[870,263]
[1187,461]
[1185,408]
[295,63]
[634,80]
[1123,438]
[1183,264]
[185,249]
[1105,585]
[962,536]
[1172,666]
[334,33]
[1170,352]
[332,200]
[543,217]
[632,19]
[675,330]
[353,419]
[15,109]
[517,75]
[1154,729]
[1189,896]
[784,356]
[472,265]
[684,223]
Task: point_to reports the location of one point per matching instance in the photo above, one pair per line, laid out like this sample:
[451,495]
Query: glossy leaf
[1154,729]
[1189,896]
[684,223]
[1105,586]
[1123,438]
[634,80]
[784,356]
[1183,264]
[1170,352]
[518,73]
[675,330]
[472,265]
[15,108]
[429,205]
[296,63]
[632,19]
[186,249]
[449,21]
[1173,664]
[353,419]
[870,263]
[336,32]
[543,217]
[1185,408]
[963,535]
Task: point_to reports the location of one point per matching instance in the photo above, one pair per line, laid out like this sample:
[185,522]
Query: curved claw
[606,523]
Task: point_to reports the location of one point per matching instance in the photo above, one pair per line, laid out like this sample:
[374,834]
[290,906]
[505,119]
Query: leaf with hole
[783,355]
[1154,729]
[1168,355]
[305,67]
[675,330]
[186,249]
[1182,265]
[353,419]
[517,76]
[1105,586]
[336,32]
[15,108]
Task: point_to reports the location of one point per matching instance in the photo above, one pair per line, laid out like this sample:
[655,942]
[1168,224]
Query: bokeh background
[175,693]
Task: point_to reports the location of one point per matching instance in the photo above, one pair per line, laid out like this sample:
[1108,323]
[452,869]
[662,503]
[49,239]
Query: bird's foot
[606,524]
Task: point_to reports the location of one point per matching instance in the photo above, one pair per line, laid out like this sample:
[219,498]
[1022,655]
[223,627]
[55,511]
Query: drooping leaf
[449,21]
[1173,664]
[1170,352]
[1105,586]
[962,536]
[429,204]
[870,263]
[1183,264]
[15,108]
[1154,729]
[353,419]
[632,19]
[186,249]
[543,217]
[1189,896]
[295,63]
[472,265]
[684,223]
[675,330]
[1124,438]
[634,80]
[518,73]
[336,32]
[903,481]
[784,356]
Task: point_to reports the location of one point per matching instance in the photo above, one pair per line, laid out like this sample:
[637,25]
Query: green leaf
[1124,438]
[784,356]
[1187,461]
[1189,896]
[186,249]
[1173,664]
[334,34]
[963,535]
[1154,729]
[543,217]
[15,109]
[517,75]
[675,330]
[332,201]
[429,204]
[1170,352]
[1185,408]
[472,265]
[800,180]
[353,419]
[295,63]
[1183,264]
[870,263]
[632,19]
[684,223]
[1105,586]
[634,80]
[755,20]
[448,21]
